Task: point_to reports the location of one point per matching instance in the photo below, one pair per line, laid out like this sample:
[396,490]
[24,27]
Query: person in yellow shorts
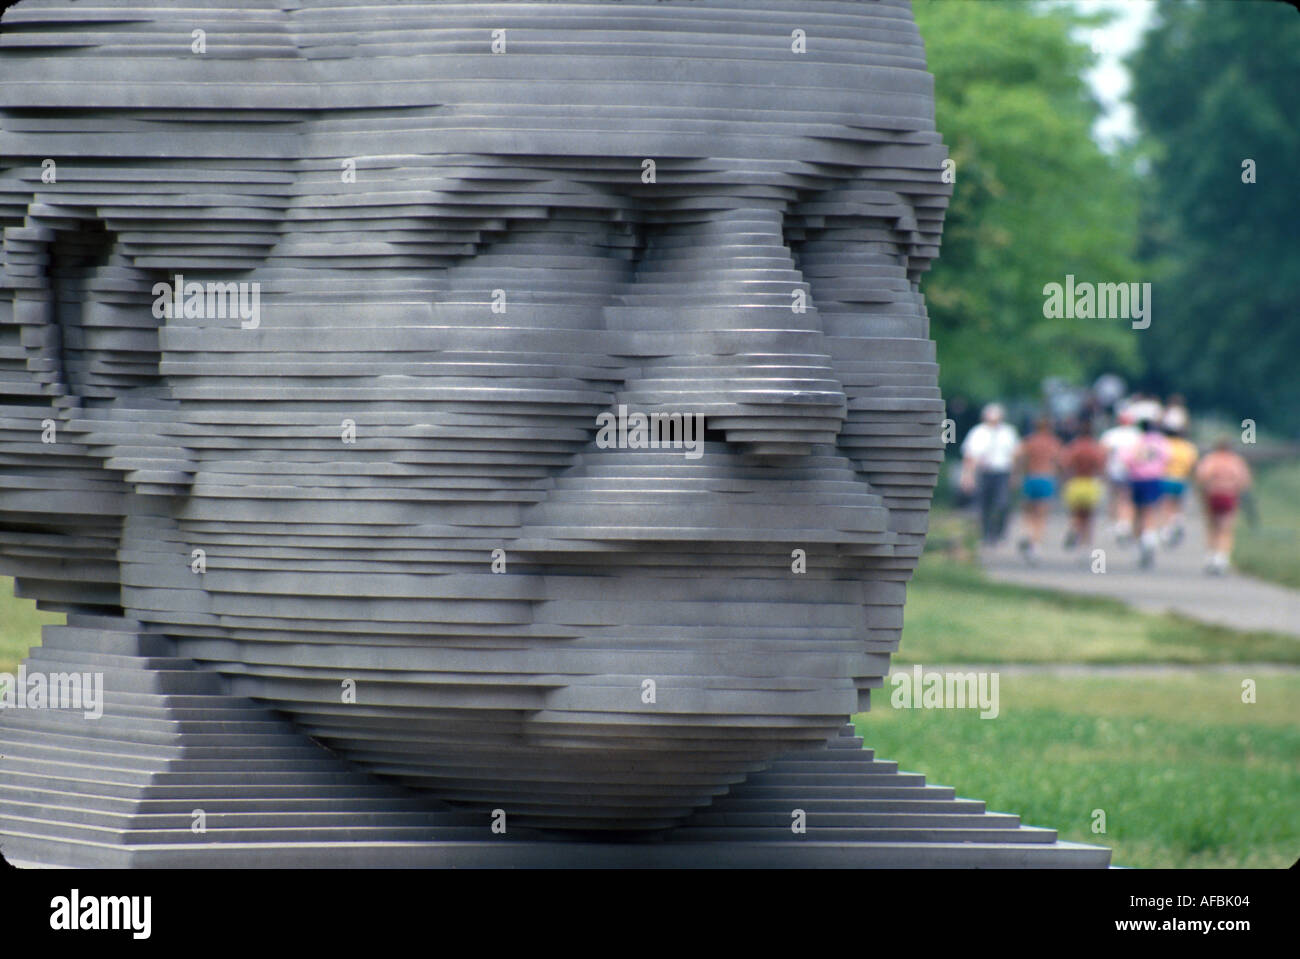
[1082,494]
[1083,461]
[1182,457]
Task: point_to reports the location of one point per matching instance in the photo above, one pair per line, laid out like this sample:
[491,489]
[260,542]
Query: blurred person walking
[1176,416]
[1038,457]
[1145,460]
[1182,457]
[1223,478]
[1144,406]
[987,455]
[1116,442]
[1083,461]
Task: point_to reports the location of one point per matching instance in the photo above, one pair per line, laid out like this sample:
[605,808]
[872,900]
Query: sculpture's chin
[571,769]
[626,777]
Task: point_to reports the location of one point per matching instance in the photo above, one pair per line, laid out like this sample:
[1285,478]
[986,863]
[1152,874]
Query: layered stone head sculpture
[310,312]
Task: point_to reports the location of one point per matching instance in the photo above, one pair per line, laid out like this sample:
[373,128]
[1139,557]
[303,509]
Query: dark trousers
[992,495]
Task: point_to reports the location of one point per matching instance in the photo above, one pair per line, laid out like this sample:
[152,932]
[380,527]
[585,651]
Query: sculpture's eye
[861,249]
[554,268]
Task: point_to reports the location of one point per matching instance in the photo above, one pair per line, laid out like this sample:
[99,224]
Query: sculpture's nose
[720,322]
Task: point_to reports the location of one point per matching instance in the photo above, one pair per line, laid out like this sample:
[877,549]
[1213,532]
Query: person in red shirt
[1083,461]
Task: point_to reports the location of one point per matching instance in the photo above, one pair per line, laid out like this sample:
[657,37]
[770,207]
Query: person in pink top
[1146,459]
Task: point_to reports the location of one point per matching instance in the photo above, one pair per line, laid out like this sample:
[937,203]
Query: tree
[1215,85]
[1035,199]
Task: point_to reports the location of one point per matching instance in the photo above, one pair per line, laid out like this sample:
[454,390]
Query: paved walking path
[1177,584]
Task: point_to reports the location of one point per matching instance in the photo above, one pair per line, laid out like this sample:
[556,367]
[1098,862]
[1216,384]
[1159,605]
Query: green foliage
[20,626]
[1035,198]
[1215,84]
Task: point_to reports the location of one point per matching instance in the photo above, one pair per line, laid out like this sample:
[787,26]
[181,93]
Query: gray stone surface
[461,257]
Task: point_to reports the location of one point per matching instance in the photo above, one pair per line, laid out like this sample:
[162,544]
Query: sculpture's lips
[636,497]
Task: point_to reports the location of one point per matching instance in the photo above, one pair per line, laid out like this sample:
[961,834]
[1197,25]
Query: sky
[1110,80]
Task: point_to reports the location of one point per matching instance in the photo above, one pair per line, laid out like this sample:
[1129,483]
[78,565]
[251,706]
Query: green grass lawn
[20,625]
[1271,549]
[955,615]
[1187,774]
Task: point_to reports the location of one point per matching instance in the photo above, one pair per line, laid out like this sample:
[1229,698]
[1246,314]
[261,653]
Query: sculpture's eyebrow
[205,214]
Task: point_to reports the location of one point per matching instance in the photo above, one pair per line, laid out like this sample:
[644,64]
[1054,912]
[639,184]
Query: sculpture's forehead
[267,120]
[754,82]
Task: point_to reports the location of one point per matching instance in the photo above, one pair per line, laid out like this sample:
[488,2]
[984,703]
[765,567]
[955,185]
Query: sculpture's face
[462,259]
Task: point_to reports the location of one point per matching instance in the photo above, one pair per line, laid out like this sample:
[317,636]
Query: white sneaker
[1147,549]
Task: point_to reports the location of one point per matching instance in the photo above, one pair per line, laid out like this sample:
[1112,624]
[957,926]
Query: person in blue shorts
[1038,456]
[1038,487]
[1146,460]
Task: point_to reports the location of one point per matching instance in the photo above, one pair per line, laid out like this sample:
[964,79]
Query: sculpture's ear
[60,507]
[89,342]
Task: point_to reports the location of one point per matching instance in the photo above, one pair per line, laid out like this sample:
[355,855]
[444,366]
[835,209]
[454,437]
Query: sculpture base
[176,774]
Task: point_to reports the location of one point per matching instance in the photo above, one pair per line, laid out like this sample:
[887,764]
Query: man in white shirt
[987,455]
[1117,441]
